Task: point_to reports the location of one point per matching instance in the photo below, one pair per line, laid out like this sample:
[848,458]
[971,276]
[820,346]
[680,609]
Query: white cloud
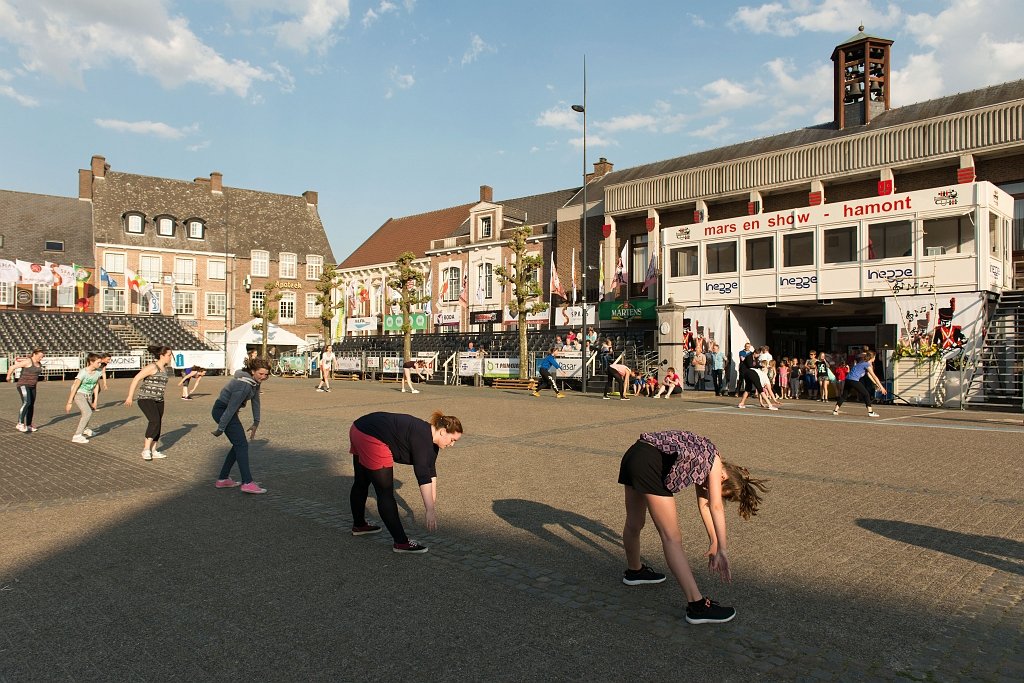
[593,141]
[723,94]
[713,129]
[23,100]
[372,15]
[696,20]
[477,47]
[400,81]
[314,25]
[560,117]
[64,40]
[161,130]
[829,15]
[198,147]
[628,122]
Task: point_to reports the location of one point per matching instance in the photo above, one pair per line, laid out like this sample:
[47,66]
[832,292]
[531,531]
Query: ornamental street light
[582,109]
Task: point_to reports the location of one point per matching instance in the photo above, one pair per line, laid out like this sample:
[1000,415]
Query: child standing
[784,378]
[84,394]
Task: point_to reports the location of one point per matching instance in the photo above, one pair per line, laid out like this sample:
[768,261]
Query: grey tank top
[152,387]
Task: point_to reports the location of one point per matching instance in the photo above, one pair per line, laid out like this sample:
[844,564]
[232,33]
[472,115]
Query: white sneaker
[403,390]
[157,454]
[79,438]
[88,432]
[415,391]
[147,455]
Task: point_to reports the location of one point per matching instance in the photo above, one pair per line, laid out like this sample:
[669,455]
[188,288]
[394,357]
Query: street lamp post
[582,109]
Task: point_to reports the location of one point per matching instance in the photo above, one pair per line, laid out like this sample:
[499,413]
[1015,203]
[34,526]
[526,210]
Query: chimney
[486,193]
[602,167]
[99,167]
[311,197]
[217,182]
[84,184]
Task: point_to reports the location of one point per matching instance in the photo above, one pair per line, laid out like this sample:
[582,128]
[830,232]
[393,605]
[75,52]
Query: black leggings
[857,388]
[28,405]
[383,481]
[154,412]
[545,378]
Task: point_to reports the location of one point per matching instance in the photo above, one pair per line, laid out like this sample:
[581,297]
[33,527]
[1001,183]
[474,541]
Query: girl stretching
[420,367]
[243,387]
[31,368]
[151,398]
[677,458]
[378,441]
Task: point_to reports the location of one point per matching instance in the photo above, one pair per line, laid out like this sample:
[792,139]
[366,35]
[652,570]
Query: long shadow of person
[104,427]
[999,553]
[539,519]
[172,437]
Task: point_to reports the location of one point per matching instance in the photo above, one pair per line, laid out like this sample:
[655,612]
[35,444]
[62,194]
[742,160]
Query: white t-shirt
[327,359]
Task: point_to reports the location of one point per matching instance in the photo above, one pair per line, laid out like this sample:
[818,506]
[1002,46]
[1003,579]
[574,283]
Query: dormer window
[196,229]
[165,226]
[134,223]
[486,230]
[53,245]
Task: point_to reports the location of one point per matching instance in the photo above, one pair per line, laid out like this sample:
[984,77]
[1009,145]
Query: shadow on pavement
[999,553]
[172,437]
[536,518]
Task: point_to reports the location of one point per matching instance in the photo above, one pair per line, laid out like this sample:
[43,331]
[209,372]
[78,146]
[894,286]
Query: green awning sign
[393,323]
[638,309]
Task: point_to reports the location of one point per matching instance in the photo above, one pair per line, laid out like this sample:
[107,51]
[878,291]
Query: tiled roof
[408,233]
[248,218]
[534,210]
[952,104]
[27,221]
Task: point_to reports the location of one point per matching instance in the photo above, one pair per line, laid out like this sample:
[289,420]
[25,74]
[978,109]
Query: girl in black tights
[378,441]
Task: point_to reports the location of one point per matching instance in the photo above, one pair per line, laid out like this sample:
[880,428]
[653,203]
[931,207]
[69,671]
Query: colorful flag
[621,268]
[556,284]
[33,273]
[464,294]
[574,277]
[8,271]
[107,280]
[131,279]
[428,293]
[600,272]
[652,273]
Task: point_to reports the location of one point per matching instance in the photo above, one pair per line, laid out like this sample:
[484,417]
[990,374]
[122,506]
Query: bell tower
[862,77]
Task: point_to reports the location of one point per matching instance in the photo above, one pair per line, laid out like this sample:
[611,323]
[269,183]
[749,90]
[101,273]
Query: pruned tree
[527,295]
[325,299]
[268,314]
[408,281]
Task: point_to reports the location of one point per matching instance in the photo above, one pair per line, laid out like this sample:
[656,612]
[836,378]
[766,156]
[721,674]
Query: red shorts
[372,453]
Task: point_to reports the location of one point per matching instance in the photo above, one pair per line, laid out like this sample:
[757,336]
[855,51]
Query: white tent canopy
[244,335]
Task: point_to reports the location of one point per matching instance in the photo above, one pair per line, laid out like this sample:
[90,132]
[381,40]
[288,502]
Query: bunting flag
[364,293]
[8,271]
[428,293]
[573,278]
[556,284]
[82,276]
[63,276]
[444,292]
[652,273]
[621,268]
[131,279]
[107,280]
[464,294]
[33,273]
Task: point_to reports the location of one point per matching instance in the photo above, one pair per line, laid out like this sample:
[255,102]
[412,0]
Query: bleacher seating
[57,333]
[166,331]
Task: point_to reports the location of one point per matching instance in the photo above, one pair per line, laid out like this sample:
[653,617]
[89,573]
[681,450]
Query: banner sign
[211,360]
[361,324]
[347,363]
[62,363]
[393,323]
[444,319]
[485,317]
[501,367]
[372,362]
[470,364]
[572,364]
[391,365]
[3,365]
[572,316]
[429,358]
[638,309]
[125,363]
[531,318]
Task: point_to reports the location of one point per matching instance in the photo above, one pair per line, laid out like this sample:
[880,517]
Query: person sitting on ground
[636,381]
[651,386]
[688,459]
[545,366]
[670,383]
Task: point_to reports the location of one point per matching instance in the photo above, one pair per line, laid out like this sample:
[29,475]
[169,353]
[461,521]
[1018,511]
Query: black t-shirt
[821,367]
[409,439]
[750,362]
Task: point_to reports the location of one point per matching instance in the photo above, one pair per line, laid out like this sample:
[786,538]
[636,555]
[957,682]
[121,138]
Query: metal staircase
[998,367]
[127,333]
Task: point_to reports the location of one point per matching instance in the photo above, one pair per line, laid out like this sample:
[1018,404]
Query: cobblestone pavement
[887,549]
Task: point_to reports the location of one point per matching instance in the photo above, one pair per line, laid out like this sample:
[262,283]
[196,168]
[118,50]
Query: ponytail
[741,487]
[449,423]
[156,350]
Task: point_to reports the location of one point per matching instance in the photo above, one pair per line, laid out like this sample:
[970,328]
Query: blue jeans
[239,445]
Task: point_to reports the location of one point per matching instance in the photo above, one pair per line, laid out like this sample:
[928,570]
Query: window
[890,240]
[486,231]
[313,308]
[840,245]
[798,249]
[314,267]
[760,253]
[260,263]
[258,300]
[165,226]
[7,293]
[66,297]
[286,265]
[53,245]
[286,308]
[41,295]
[113,301]
[995,236]
[638,259]
[113,263]
[185,303]
[215,270]
[951,235]
[150,267]
[196,229]
[216,338]
[185,271]
[684,261]
[721,257]
[134,223]
[216,304]
[485,275]
[453,278]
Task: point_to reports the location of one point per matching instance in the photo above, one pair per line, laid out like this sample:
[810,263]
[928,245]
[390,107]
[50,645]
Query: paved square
[887,549]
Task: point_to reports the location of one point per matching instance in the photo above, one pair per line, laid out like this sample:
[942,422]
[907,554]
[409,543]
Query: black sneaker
[410,547]
[364,529]
[645,574]
[707,611]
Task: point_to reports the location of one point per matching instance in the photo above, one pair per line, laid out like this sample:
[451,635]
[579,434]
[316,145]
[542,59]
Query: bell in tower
[862,69]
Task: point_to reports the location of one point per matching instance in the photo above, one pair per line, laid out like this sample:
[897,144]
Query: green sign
[393,323]
[637,309]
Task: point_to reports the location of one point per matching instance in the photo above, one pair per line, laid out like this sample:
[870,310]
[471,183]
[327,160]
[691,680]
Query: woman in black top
[378,441]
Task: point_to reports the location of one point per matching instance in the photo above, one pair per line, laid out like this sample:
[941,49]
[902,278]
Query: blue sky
[396,107]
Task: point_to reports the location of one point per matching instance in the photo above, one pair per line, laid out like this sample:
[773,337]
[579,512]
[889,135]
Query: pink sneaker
[21,428]
[252,487]
[228,483]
